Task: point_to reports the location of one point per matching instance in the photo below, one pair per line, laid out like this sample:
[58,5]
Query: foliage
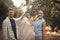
[49,7]
[4,4]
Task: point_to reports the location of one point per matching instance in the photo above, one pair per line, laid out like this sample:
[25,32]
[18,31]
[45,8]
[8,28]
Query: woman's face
[40,15]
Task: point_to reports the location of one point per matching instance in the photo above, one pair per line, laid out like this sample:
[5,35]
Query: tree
[4,4]
[47,6]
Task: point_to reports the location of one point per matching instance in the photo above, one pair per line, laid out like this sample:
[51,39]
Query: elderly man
[10,26]
[39,26]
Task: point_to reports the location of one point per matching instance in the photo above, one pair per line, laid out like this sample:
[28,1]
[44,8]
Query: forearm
[20,18]
[43,29]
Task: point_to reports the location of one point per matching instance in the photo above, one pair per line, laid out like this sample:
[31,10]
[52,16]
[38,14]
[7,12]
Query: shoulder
[43,19]
[37,19]
[5,21]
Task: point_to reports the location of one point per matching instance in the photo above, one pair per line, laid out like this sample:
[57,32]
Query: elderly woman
[39,26]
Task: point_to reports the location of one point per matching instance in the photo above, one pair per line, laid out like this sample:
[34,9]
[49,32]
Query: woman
[39,26]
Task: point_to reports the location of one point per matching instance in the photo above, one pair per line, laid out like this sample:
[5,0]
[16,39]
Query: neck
[10,17]
[40,18]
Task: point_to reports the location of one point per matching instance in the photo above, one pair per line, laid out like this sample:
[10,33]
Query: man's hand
[21,17]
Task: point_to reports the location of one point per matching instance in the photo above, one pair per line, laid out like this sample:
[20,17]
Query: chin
[11,17]
[40,18]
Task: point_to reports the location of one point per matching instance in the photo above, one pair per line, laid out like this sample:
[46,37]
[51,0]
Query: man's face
[11,13]
[40,15]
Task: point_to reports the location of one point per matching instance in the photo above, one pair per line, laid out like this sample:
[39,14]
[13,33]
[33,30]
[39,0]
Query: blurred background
[51,8]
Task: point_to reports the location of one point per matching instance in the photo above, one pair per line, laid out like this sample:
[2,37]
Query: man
[39,26]
[10,26]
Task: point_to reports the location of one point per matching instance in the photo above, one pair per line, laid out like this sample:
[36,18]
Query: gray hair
[40,11]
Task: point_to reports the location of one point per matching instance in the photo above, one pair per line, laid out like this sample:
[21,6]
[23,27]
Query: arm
[20,18]
[4,26]
[44,25]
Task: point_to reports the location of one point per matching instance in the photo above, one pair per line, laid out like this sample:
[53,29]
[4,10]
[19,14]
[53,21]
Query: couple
[10,26]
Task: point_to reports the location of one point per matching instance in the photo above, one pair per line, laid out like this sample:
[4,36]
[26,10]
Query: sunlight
[30,6]
[24,9]
[17,3]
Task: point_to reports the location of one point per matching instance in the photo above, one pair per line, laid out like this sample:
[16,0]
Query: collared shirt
[38,26]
